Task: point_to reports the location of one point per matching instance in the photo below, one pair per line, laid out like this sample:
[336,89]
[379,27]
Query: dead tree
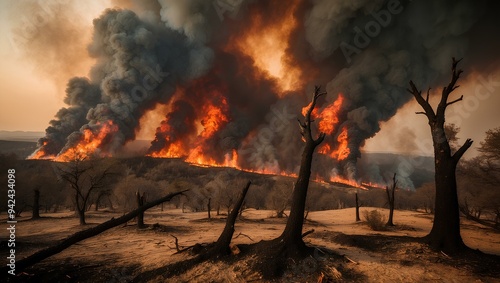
[140,202]
[85,234]
[216,250]
[221,246]
[390,199]
[36,204]
[445,232]
[274,255]
[357,209]
[292,235]
[85,178]
[209,207]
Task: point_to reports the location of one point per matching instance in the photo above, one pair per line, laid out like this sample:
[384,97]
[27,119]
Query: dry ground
[347,251]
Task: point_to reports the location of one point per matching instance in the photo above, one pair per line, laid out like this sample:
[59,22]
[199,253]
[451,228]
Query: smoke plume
[235,75]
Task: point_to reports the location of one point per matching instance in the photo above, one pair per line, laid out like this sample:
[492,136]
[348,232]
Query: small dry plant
[375,220]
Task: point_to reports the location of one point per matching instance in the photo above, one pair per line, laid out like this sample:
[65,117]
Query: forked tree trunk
[292,234]
[445,232]
[85,234]
[36,205]
[390,199]
[357,208]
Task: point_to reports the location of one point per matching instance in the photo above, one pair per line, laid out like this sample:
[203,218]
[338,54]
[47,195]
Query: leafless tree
[390,199]
[445,233]
[85,177]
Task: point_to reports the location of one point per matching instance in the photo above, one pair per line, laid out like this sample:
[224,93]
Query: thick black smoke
[366,50]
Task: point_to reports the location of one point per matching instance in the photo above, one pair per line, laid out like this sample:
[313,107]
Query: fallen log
[85,234]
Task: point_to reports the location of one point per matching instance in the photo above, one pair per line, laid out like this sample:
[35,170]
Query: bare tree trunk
[357,209]
[209,208]
[292,234]
[221,247]
[445,232]
[140,202]
[81,216]
[390,200]
[85,234]
[36,205]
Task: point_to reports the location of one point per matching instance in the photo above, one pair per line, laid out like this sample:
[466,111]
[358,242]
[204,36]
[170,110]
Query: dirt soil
[346,251]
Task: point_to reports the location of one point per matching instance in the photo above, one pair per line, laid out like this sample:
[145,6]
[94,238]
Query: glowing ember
[372,185]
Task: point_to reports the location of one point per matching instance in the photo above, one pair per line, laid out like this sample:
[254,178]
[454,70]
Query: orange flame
[352,183]
[40,153]
[89,143]
[215,118]
[329,116]
[343,150]
[372,185]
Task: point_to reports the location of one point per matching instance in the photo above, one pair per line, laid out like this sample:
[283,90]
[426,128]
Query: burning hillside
[234,76]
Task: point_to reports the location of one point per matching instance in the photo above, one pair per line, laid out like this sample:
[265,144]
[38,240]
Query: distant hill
[20,148]
[20,136]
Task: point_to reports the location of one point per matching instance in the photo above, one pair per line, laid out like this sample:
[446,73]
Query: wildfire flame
[343,150]
[329,116]
[40,153]
[89,143]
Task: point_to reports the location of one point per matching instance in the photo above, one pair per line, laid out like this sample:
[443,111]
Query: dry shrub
[375,220]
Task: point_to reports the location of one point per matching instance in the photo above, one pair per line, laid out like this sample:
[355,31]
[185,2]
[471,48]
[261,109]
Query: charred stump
[445,232]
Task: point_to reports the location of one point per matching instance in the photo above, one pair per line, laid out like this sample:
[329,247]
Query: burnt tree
[274,255]
[357,208]
[292,235]
[209,207]
[390,199]
[85,177]
[445,232]
[221,247]
[140,202]
[36,204]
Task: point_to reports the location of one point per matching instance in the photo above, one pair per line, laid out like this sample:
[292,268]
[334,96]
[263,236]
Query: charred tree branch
[462,150]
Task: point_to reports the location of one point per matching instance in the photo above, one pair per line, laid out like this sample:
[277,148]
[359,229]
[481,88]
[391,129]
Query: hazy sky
[34,71]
